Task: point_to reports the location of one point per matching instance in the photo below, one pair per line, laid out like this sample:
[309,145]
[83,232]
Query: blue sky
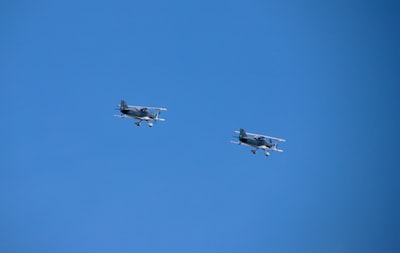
[323,75]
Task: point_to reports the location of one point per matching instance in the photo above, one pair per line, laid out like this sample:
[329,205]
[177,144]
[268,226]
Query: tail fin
[242,133]
[123,105]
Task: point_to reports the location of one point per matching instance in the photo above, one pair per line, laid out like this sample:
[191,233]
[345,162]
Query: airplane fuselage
[138,114]
[257,143]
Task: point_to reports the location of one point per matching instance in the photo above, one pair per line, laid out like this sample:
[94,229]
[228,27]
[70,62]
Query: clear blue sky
[322,74]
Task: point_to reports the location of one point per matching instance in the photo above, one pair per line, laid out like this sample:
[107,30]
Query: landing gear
[266,153]
[138,123]
[150,124]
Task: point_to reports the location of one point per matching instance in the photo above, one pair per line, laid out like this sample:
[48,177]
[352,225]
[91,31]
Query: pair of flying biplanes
[151,114]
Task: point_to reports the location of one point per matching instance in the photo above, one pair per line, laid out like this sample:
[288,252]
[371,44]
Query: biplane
[258,141]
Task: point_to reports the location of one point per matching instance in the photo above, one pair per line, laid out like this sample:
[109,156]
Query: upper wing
[265,136]
[154,108]
[270,137]
[138,107]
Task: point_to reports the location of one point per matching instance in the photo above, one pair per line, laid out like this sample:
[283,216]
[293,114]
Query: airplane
[258,141]
[141,113]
